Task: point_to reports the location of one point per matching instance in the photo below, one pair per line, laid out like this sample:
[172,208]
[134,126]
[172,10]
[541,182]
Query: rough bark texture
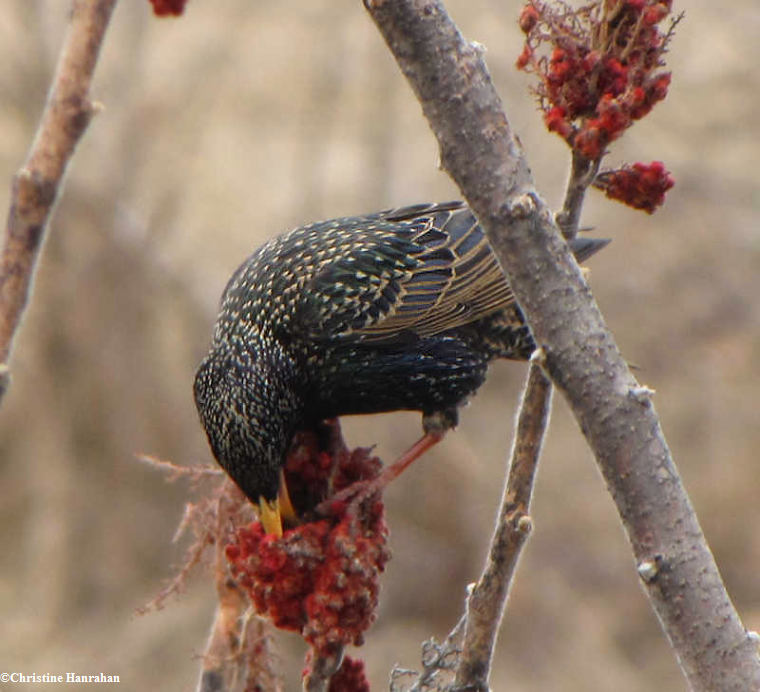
[614,412]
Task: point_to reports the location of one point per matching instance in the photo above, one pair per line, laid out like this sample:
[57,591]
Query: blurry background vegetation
[243,119]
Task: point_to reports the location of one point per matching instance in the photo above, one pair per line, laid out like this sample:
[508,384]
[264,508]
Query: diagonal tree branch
[37,184]
[485,605]
[615,413]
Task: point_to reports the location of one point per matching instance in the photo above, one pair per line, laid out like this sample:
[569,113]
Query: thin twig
[221,668]
[322,667]
[176,471]
[439,664]
[582,174]
[485,605]
[37,184]
[239,653]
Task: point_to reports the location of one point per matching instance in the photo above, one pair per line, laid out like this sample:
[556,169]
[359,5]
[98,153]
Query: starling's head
[249,409]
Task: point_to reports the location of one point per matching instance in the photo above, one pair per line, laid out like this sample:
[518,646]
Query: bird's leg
[435,426]
[359,491]
[428,440]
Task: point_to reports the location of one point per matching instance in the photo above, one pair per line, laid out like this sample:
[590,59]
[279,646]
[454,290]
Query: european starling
[398,310]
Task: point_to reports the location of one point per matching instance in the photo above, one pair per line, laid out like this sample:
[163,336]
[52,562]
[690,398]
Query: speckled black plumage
[396,310]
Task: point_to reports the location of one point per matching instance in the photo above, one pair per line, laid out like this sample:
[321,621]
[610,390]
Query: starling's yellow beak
[269,515]
[272,512]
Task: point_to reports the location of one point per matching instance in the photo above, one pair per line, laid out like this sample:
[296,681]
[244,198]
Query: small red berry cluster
[164,8]
[603,70]
[599,70]
[640,185]
[321,578]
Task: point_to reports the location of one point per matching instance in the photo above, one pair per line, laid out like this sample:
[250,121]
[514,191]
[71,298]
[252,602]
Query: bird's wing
[421,270]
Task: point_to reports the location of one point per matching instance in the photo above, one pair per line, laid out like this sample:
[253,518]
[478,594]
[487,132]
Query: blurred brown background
[243,119]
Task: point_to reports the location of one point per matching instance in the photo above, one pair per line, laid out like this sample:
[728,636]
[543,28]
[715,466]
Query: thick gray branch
[614,412]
